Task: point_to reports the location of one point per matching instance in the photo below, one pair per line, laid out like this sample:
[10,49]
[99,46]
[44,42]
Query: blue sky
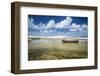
[69,26]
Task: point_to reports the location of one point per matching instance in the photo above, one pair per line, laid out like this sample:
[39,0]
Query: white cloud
[45,31]
[80,29]
[42,26]
[50,24]
[41,31]
[30,23]
[32,19]
[75,26]
[64,23]
[50,31]
[84,26]
[35,26]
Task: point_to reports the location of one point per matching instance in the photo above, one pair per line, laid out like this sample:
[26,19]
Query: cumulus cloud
[45,31]
[50,24]
[84,26]
[64,23]
[51,27]
[30,23]
[51,31]
[75,26]
[80,29]
[41,31]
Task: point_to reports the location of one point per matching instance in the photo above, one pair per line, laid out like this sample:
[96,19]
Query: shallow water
[56,43]
[51,49]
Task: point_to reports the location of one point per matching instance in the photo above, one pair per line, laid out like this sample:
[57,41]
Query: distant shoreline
[62,39]
[58,37]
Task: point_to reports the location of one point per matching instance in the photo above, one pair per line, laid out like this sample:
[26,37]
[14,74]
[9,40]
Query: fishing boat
[70,41]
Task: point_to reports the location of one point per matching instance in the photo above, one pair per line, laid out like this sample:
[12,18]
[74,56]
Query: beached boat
[70,41]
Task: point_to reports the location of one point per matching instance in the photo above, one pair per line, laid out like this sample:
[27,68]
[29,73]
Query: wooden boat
[70,41]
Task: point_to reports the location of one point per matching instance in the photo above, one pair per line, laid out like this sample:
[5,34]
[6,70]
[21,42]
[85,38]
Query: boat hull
[70,41]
